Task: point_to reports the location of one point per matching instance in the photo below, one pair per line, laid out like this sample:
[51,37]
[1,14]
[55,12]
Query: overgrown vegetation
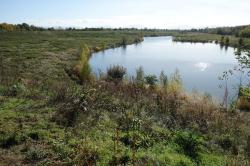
[50,114]
[228,40]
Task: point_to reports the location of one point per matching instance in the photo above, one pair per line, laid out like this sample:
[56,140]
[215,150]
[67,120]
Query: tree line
[26,27]
[238,31]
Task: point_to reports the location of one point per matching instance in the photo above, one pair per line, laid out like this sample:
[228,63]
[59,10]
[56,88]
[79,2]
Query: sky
[170,14]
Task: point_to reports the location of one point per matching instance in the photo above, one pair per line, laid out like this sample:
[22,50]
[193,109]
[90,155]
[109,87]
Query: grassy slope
[32,113]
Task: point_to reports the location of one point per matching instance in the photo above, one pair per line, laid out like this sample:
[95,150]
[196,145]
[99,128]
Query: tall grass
[83,68]
[139,76]
[175,83]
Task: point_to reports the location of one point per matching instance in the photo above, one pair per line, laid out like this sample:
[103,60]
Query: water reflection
[200,65]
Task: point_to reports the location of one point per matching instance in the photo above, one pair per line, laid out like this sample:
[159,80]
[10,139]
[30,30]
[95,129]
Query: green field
[49,119]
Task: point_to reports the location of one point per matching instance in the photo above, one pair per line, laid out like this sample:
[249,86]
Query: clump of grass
[87,154]
[116,73]
[175,83]
[34,155]
[189,143]
[163,80]
[226,142]
[244,98]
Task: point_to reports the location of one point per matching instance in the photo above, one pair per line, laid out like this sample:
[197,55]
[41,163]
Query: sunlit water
[200,65]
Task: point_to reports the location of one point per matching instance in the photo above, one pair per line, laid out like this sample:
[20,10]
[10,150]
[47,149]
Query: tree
[7,27]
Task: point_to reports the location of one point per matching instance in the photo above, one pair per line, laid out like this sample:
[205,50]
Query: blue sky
[127,13]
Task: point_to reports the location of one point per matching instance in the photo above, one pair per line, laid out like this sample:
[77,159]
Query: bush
[244,103]
[189,144]
[151,80]
[67,113]
[6,140]
[34,155]
[119,160]
[245,32]
[34,135]
[60,91]
[247,149]
[62,150]
[240,42]
[138,40]
[116,73]
[138,140]
[87,155]
[14,90]
[226,142]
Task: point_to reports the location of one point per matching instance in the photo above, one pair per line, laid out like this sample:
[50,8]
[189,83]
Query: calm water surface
[200,65]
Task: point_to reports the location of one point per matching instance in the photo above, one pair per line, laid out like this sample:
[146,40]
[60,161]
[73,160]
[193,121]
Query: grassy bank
[208,38]
[49,119]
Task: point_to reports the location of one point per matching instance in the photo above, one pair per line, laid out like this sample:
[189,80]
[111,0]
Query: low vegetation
[54,112]
[223,40]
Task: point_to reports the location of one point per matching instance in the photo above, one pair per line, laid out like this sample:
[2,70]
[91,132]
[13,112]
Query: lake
[200,65]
